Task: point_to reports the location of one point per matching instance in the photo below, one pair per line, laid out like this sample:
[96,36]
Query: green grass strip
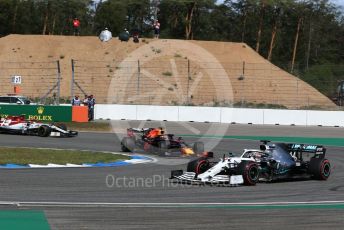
[18,220]
[25,156]
[326,141]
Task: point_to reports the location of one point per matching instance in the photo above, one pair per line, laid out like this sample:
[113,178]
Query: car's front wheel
[249,171]
[44,131]
[198,166]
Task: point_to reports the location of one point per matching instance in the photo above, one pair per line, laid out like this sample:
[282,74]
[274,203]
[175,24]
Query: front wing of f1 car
[191,177]
[229,170]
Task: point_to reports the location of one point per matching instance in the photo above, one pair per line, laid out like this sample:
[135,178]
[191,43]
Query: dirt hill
[164,72]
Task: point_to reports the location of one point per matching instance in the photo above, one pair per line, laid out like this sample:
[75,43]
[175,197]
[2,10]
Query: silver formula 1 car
[269,163]
[19,125]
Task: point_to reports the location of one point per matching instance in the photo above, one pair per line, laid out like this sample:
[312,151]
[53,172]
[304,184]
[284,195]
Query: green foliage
[111,14]
[324,77]
[167,74]
[246,104]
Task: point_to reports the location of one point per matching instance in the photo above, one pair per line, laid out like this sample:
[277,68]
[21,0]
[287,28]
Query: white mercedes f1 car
[19,125]
[269,163]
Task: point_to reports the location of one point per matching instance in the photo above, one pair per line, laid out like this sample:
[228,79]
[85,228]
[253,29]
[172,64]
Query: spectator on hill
[156,27]
[105,35]
[85,101]
[76,26]
[76,101]
[91,103]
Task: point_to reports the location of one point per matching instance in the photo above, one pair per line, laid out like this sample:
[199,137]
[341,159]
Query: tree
[261,18]
[113,15]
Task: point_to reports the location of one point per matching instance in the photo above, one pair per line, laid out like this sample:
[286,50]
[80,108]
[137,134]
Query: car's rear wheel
[162,148]
[44,131]
[198,147]
[249,171]
[127,144]
[320,168]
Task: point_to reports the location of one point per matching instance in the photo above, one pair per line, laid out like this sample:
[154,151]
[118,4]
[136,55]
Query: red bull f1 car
[19,125]
[154,140]
[269,163]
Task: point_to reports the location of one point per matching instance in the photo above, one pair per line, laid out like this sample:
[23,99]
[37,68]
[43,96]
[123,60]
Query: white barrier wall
[158,113]
[242,116]
[199,114]
[285,117]
[325,118]
[115,112]
[219,114]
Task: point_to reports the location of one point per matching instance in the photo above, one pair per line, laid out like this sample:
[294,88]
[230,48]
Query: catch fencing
[180,81]
[40,81]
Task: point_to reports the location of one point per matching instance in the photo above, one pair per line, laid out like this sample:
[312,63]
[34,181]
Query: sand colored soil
[166,72]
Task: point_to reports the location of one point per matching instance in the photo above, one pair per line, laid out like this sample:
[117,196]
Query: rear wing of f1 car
[304,148]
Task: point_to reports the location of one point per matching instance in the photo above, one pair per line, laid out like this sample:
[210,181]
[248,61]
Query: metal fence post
[138,77]
[297,94]
[73,78]
[243,68]
[188,85]
[58,83]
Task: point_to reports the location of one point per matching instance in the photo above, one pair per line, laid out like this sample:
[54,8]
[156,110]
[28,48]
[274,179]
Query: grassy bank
[46,156]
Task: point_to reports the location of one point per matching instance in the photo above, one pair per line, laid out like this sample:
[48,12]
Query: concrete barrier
[115,112]
[220,114]
[325,118]
[199,114]
[242,116]
[159,113]
[285,117]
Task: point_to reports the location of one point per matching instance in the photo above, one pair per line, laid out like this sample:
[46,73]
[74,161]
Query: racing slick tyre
[44,131]
[320,168]
[127,144]
[249,171]
[198,147]
[162,148]
[198,166]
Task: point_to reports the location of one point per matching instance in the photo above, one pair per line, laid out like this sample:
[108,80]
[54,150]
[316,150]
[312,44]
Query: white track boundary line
[152,205]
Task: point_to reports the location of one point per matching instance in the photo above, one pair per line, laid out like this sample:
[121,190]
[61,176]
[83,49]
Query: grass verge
[25,156]
[103,126]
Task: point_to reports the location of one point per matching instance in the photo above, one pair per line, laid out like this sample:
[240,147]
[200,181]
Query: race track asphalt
[141,196]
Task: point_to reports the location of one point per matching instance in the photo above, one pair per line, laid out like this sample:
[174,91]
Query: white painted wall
[199,114]
[115,112]
[219,114]
[285,117]
[325,118]
[159,113]
[242,116]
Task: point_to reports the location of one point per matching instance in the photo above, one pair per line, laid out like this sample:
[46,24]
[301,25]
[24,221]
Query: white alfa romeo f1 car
[19,125]
[270,162]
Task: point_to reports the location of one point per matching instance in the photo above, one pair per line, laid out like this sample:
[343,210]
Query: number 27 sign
[16,79]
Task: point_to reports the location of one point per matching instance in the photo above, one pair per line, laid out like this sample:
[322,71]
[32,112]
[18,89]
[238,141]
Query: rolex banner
[38,112]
